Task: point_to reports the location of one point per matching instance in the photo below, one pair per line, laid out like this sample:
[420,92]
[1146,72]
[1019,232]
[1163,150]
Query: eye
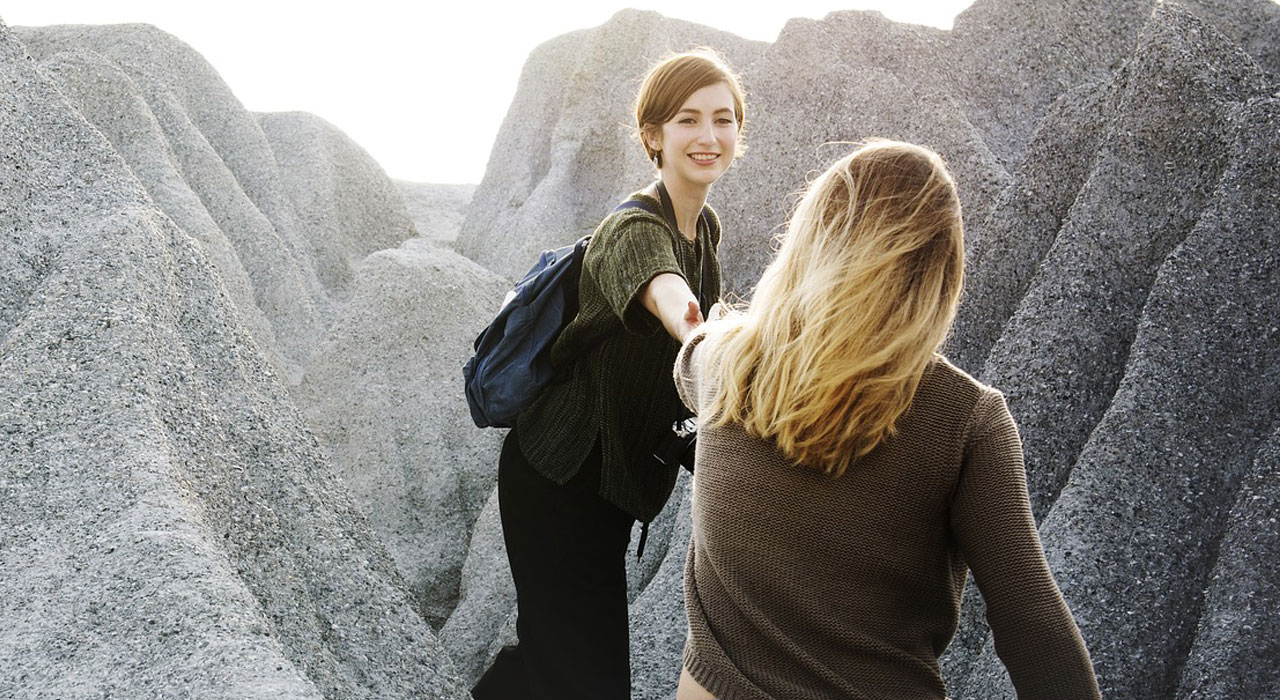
[687,120]
[725,120]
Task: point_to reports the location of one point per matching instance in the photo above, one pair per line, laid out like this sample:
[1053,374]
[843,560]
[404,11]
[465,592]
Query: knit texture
[621,385]
[801,585]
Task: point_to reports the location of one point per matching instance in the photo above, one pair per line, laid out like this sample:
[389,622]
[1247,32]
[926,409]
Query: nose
[707,134]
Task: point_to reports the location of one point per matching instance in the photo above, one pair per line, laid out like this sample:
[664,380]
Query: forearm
[667,297]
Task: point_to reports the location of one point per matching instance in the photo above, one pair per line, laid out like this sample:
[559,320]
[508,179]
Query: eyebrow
[694,111]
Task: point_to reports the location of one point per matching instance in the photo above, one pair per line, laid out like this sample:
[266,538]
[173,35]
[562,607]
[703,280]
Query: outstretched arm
[669,299]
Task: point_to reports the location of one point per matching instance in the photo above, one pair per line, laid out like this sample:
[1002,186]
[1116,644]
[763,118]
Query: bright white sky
[422,86]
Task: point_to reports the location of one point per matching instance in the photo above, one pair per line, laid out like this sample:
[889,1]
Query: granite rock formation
[1118,168]
[384,393]
[437,210]
[220,151]
[171,264]
[171,528]
[236,461]
[344,204]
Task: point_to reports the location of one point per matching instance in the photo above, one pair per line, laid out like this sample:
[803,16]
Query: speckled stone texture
[1117,164]
[437,210]
[384,394]
[170,527]
[237,463]
[285,207]
[1145,374]
[345,204]
[222,154]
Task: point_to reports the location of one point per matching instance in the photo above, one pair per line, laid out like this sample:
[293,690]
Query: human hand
[692,319]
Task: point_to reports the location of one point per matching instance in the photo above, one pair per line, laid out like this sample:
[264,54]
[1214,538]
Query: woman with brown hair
[577,470]
[848,476]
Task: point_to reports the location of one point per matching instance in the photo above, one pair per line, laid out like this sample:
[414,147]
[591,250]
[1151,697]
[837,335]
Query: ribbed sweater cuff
[704,675]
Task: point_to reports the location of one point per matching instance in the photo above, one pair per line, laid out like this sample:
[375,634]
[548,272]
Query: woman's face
[698,143]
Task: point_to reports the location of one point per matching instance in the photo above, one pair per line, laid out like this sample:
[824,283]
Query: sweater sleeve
[687,371]
[1035,634]
[622,259]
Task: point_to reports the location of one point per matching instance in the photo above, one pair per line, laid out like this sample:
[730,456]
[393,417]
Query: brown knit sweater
[800,585]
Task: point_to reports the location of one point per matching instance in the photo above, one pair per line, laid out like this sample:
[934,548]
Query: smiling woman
[700,141]
[577,469]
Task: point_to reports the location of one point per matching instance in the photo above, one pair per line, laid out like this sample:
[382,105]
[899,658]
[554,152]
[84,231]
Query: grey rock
[1133,534]
[437,210]
[1025,219]
[1155,171]
[1238,639]
[222,153]
[473,633]
[345,204]
[659,624]
[110,100]
[1251,24]
[383,394]
[1010,60]
[170,527]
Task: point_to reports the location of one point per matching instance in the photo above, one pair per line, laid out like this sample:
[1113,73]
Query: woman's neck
[687,200]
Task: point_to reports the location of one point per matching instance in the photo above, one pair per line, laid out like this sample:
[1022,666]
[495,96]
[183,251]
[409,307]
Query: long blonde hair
[845,320]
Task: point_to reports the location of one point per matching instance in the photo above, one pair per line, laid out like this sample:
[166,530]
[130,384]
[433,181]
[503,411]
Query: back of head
[845,320]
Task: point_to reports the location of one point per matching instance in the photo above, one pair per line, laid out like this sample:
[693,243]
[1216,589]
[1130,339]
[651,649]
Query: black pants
[567,547]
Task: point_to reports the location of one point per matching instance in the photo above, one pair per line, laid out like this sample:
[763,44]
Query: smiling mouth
[704,157]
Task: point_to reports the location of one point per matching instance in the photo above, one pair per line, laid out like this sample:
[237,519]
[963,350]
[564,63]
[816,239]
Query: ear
[653,139]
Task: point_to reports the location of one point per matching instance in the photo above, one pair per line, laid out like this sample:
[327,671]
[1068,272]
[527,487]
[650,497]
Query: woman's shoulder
[944,385]
[985,405]
[713,225]
[643,219]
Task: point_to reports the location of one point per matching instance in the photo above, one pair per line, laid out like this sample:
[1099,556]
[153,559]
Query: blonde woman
[848,476]
[577,470]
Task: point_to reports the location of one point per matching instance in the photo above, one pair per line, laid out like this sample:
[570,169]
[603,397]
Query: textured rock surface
[384,394]
[172,262]
[1138,409]
[346,205]
[1117,166]
[437,210]
[284,203]
[284,206]
[170,527]
[1239,635]
[474,631]
[110,100]
[658,620]
[222,153]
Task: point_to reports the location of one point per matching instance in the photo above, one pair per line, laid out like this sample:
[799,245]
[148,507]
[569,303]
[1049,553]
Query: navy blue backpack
[512,362]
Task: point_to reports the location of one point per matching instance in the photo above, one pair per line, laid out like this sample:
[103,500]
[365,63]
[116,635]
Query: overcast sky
[390,73]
